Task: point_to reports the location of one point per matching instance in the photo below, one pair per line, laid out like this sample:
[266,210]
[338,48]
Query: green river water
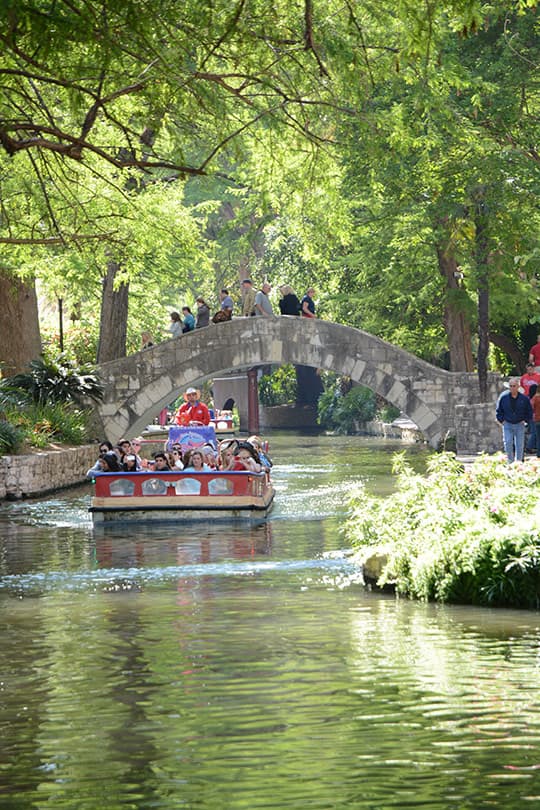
[208,668]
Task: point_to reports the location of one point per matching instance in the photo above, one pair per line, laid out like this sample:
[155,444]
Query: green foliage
[342,413]
[388,413]
[278,388]
[345,156]
[44,423]
[53,381]
[457,535]
[11,438]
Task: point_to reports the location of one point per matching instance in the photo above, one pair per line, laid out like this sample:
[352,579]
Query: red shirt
[528,379]
[534,352]
[198,412]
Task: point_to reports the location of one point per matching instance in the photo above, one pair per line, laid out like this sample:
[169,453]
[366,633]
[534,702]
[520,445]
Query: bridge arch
[140,385]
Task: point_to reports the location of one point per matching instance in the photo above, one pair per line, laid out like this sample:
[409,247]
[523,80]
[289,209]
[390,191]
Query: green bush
[388,413]
[40,425]
[11,438]
[47,381]
[456,535]
[342,413]
[278,388]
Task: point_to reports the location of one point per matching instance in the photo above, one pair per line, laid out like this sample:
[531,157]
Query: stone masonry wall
[477,430]
[38,473]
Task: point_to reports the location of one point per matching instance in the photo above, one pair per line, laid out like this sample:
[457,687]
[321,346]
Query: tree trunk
[456,324]
[19,324]
[113,321]
[481,255]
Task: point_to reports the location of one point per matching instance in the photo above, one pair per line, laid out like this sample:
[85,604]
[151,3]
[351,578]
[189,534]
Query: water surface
[235,667]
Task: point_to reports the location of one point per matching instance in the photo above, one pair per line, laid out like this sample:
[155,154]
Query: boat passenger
[195,462]
[209,456]
[259,445]
[248,457]
[104,447]
[136,444]
[161,463]
[129,463]
[193,411]
[228,461]
[127,449]
[108,462]
[175,459]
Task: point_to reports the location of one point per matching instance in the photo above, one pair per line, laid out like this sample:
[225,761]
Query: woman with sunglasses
[107,462]
[104,447]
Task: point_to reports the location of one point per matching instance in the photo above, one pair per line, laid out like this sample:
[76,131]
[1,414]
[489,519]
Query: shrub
[457,535]
[278,388]
[388,413]
[343,412]
[39,425]
[57,380]
[11,438]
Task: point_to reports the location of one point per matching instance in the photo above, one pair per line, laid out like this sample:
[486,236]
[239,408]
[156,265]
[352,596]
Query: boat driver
[193,411]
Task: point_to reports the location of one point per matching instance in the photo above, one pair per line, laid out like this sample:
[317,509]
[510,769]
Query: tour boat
[179,495]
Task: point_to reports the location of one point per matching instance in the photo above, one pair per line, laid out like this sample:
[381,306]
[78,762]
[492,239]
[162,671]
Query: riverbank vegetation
[456,535]
[47,404]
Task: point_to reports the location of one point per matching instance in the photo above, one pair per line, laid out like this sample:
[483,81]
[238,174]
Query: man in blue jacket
[513,412]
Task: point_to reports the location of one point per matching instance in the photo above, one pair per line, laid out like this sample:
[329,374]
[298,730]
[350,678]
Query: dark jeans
[537,431]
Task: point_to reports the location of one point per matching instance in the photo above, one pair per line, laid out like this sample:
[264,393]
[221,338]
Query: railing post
[253,401]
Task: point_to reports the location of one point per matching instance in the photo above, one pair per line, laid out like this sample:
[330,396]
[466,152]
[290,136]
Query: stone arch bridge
[137,387]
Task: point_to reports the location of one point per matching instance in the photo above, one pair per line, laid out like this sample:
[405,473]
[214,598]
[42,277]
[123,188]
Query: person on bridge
[513,412]
[193,411]
[189,320]
[248,298]
[534,354]
[227,303]
[308,304]
[147,340]
[203,313]
[288,303]
[176,325]
[263,305]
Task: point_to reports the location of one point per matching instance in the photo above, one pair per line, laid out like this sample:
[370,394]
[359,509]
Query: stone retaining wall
[38,473]
[477,430]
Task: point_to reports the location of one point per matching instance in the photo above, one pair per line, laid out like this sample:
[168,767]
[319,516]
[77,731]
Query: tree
[18,306]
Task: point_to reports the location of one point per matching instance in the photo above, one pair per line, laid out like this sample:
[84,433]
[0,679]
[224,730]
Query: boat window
[154,486]
[122,486]
[187,486]
[220,486]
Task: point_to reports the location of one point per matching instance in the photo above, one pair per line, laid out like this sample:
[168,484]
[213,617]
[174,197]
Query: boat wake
[330,570]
